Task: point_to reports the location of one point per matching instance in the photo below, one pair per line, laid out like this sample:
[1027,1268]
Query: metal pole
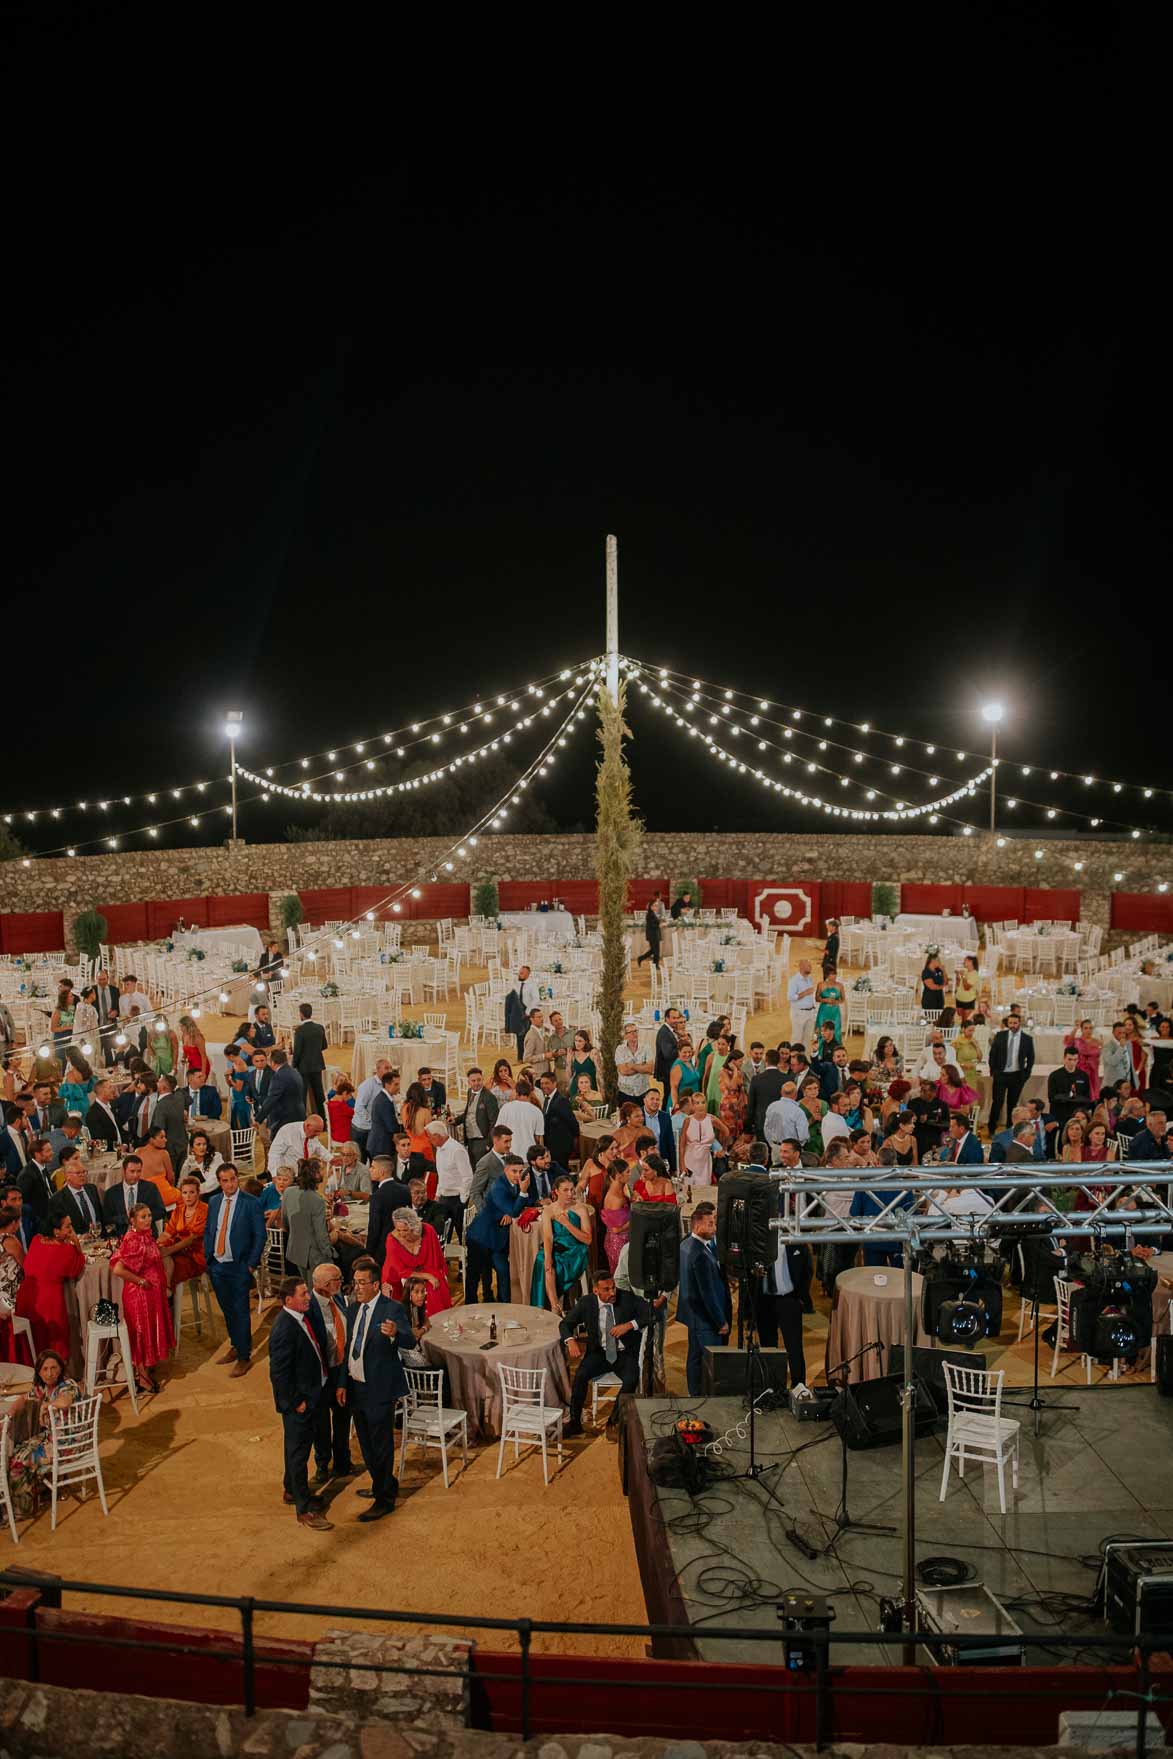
[993,776]
[613,617]
[908,1458]
[232,751]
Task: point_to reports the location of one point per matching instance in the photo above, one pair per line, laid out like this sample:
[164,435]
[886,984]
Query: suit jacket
[560,1129]
[103,1125]
[384,1123]
[246,1234]
[382,1368]
[257,1087]
[169,1115]
[488,1168]
[764,1089]
[295,1367]
[1145,1146]
[501,1199]
[36,1187]
[661,1128]
[627,1306]
[60,1140]
[110,1018]
[126,1108]
[1017,1153]
[309,1048]
[666,1053]
[970,1152]
[702,1288]
[65,1202]
[114,1206]
[386,1197]
[1026,1053]
[285,1101]
[484,1116]
[13,1163]
[210,1104]
[827,1074]
[52,1118]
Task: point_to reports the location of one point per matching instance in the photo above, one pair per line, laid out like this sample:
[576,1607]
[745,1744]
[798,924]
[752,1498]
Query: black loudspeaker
[867,1415]
[1165,1364]
[745,1203]
[726,1371]
[654,1259]
[929,1366]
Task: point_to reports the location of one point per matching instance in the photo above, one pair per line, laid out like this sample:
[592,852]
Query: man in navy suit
[301,1383]
[487,1237]
[1012,1057]
[387,1195]
[964,1147]
[201,1101]
[832,1072]
[234,1239]
[659,1122]
[260,1078]
[611,1325]
[374,1381]
[560,1128]
[119,1200]
[785,1289]
[384,1117]
[285,1101]
[701,1302]
[332,1437]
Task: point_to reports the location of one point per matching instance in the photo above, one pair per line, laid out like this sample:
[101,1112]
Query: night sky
[888,451]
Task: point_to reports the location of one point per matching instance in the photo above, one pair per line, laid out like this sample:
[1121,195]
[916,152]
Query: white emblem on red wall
[787,907]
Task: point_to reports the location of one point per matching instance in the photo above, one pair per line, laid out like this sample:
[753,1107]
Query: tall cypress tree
[617,839]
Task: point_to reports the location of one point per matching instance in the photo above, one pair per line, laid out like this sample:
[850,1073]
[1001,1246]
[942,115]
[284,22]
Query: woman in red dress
[413,1249]
[145,1306]
[193,1047]
[53,1259]
[653,1184]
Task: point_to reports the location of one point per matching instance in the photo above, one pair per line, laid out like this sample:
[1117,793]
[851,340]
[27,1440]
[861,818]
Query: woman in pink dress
[145,1305]
[1088,1047]
[413,1249]
[53,1259]
[615,1215]
[953,1088]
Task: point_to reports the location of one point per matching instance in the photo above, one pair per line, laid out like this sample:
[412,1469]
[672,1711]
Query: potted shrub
[89,931]
[486,900]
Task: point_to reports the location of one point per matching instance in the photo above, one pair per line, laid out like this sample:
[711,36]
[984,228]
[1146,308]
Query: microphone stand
[1035,1403]
[843,1521]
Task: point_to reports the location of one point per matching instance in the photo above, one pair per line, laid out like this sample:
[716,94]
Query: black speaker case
[725,1371]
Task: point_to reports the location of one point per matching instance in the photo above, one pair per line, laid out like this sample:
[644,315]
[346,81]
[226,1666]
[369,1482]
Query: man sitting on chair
[612,1323]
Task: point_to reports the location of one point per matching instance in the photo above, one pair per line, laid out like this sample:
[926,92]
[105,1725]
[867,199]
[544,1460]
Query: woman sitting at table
[413,1248]
[965,987]
[953,1091]
[308,1235]
[562,1255]
[1096,1146]
[894,1101]
[615,1214]
[585,1100]
[1088,1048]
[157,1165]
[887,1062]
[145,1307]
[967,1053]
[182,1242]
[592,1175]
[502,1086]
[340,1107]
[858,1116]
[193,1049]
[237,1071]
[901,1139]
[204,1161]
[415,1305]
[654,1184]
[582,1061]
[53,1259]
[1074,1142]
[31,1461]
[683,1077]
[74,1092]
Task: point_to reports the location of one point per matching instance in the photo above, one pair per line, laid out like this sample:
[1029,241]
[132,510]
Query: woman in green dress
[830,997]
[684,1076]
[713,1069]
[162,1052]
[562,1255]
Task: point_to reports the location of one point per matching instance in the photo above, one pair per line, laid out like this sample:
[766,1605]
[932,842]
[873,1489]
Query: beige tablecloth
[219,1133]
[1035,1088]
[96,1281]
[523,1250]
[408,1055]
[865,1312]
[472,1372]
[1162,1263]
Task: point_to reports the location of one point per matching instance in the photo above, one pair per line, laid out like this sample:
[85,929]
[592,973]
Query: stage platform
[724,1558]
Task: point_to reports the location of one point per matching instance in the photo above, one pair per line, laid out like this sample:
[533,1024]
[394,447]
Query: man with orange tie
[332,1435]
[300,1377]
[234,1239]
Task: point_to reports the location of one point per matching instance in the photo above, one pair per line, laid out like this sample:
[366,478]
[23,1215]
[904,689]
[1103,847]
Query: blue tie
[359,1331]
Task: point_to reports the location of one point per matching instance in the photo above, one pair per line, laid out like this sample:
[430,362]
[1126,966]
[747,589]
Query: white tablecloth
[408,1055]
[555,924]
[242,940]
[941,928]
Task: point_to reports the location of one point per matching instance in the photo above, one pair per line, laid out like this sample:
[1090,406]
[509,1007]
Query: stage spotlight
[1115,1336]
[961,1322]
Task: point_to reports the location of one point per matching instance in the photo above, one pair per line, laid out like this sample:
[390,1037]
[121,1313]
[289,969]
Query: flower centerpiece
[1069,987]
[717,965]
[728,940]
[409,1029]
[329,989]
[556,968]
[240,965]
[862,985]
[390,958]
[194,954]
[932,952]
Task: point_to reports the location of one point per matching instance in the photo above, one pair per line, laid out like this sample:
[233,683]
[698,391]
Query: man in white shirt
[364,1099]
[932,1065]
[800,992]
[633,1070]
[835,1124]
[1115,1060]
[296,1142]
[453,1174]
[955,1202]
[131,996]
[785,1119]
[523,1118]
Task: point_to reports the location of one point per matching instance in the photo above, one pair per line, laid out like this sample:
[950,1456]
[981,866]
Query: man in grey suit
[169,1115]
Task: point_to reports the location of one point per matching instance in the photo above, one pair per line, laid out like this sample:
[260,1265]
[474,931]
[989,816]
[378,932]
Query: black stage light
[961,1322]
[1115,1336]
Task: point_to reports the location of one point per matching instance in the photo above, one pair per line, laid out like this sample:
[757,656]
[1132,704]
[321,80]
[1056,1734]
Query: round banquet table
[1162,1263]
[408,1055]
[219,1133]
[15,1380]
[96,1281]
[865,1312]
[472,1372]
[523,1250]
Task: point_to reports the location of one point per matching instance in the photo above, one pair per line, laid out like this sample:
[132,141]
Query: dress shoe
[285,1497]
[573,1426]
[229,1356]
[346,1471]
[376,1511]
[320,1477]
[315,1519]
[238,1368]
[369,1494]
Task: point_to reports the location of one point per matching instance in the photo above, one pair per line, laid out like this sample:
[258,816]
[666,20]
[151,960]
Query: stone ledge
[361,1689]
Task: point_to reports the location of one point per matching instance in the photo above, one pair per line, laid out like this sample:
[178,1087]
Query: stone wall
[73,885]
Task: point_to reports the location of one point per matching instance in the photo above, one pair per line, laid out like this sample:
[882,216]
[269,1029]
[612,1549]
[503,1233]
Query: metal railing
[815,1681]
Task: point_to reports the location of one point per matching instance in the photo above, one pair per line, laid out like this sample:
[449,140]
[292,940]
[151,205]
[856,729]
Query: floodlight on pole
[992,714]
[233,726]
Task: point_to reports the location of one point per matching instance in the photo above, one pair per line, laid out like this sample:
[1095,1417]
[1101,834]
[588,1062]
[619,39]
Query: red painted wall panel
[931,900]
[1050,904]
[640,892]
[1143,912]
[36,931]
[846,898]
[128,922]
[164,913]
[326,904]
[249,907]
[995,903]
